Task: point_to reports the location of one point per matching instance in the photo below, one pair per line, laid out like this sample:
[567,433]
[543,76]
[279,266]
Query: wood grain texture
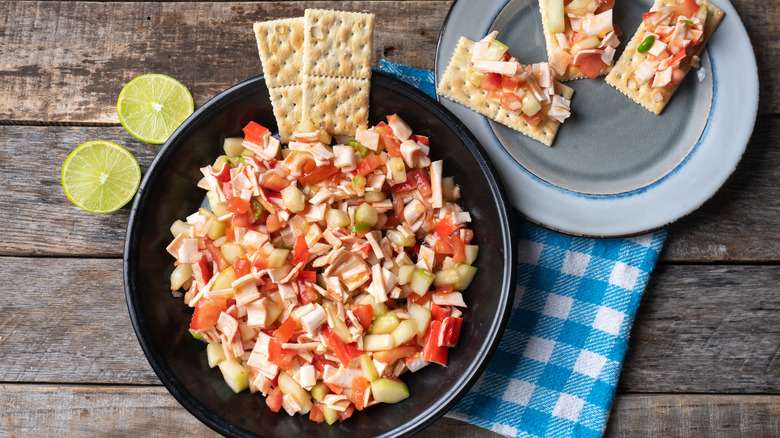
[66,321]
[49,410]
[67,61]
[740,224]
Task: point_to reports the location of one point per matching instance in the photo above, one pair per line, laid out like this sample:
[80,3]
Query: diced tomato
[207,313]
[364,314]
[509,83]
[306,293]
[438,313]
[240,220]
[255,133]
[224,174]
[688,9]
[468,235]
[205,270]
[458,249]
[421,139]
[343,415]
[281,357]
[241,266]
[320,362]
[617,30]
[423,183]
[318,174]
[261,261]
[450,331]
[316,415]
[336,389]
[234,203]
[216,254]
[419,299]
[286,330]
[389,140]
[274,399]
[432,351]
[492,82]
[345,352]
[274,181]
[368,164]
[535,119]
[573,38]
[591,65]
[273,223]
[300,251]
[444,227]
[605,5]
[304,275]
[390,356]
[359,392]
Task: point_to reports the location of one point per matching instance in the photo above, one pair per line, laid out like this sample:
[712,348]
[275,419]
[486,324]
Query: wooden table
[705,348]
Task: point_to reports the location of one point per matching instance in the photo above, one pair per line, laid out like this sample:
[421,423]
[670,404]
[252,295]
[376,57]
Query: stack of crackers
[318,68]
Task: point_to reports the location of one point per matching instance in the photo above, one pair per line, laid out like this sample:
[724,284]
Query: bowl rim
[215,106]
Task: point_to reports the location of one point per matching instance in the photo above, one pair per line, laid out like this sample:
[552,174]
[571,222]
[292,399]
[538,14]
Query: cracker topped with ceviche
[484,77]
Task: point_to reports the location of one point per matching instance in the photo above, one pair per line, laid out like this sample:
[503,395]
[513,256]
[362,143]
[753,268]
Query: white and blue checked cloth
[555,371]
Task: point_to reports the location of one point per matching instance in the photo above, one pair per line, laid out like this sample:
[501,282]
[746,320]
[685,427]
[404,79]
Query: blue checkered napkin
[557,366]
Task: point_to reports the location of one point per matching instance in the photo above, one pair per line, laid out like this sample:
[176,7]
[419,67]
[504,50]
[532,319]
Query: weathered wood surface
[67,61]
[66,321]
[49,410]
[740,224]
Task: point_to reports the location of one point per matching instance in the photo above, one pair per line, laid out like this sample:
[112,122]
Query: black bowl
[168,192]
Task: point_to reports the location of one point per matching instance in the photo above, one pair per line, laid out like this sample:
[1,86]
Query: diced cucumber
[379,308]
[366,214]
[218,208]
[233,146]
[590,42]
[579,7]
[421,317]
[400,238]
[389,391]
[375,196]
[180,275]
[495,51]
[466,273]
[319,391]
[555,15]
[421,281]
[338,327]
[215,354]
[277,258]
[378,342]
[472,251]
[236,376]
[368,368]
[274,311]
[180,227]
[331,416]
[531,105]
[197,335]
[289,386]
[216,230]
[225,279]
[220,162]
[406,330]
[306,125]
[384,324]
[405,274]
[398,169]
[231,251]
[337,218]
[476,78]
[446,276]
[293,199]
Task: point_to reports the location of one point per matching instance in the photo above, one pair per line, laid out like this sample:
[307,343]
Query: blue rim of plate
[677,193]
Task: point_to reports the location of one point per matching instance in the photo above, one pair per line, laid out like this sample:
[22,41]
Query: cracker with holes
[280,44]
[662,51]
[338,48]
[484,77]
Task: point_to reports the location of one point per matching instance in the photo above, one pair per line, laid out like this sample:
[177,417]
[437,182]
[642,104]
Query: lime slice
[100,176]
[152,106]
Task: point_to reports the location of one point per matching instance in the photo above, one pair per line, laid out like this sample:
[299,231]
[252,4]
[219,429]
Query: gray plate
[609,144]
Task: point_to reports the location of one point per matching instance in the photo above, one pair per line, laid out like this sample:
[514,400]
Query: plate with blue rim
[615,169]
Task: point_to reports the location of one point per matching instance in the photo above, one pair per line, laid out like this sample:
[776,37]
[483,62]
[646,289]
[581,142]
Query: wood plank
[50,410]
[700,328]
[740,224]
[67,61]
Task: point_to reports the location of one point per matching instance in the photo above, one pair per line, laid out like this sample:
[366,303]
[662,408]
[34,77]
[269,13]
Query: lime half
[100,176]
[152,106]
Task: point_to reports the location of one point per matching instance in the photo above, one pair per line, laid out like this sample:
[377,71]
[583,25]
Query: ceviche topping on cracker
[323,271]
[486,78]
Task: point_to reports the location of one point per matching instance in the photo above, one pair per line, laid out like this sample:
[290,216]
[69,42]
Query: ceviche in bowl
[352,285]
